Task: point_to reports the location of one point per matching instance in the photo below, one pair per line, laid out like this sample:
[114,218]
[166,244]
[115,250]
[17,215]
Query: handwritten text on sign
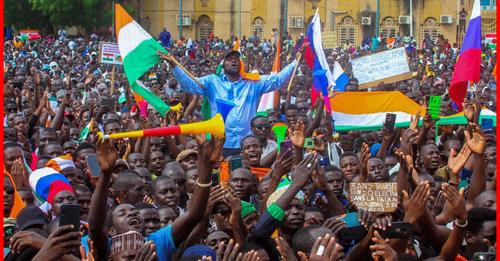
[109,53]
[374,197]
[380,65]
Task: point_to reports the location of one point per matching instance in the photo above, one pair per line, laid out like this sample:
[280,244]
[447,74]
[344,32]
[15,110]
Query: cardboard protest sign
[388,66]
[374,197]
[109,53]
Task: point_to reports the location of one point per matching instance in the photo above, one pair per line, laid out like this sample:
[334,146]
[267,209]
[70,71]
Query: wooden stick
[113,80]
[187,72]
[293,74]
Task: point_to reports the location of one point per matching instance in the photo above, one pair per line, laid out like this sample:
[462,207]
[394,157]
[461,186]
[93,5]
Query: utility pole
[411,18]
[285,19]
[377,19]
[180,19]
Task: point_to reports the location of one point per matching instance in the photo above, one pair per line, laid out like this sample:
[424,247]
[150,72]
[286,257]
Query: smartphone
[434,106]
[484,256]
[486,124]
[308,143]
[286,145]
[347,235]
[390,122]
[215,179]
[108,102]
[414,148]
[397,230]
[235,163]
[93,165]
[324,162]
[70,215]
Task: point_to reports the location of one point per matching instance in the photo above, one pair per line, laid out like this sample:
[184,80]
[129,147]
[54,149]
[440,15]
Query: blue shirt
[244,93]
[162,238]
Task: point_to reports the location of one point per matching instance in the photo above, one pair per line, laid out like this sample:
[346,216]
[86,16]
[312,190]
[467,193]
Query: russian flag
[341,78]
[468,66]
[47,183]
[316,60]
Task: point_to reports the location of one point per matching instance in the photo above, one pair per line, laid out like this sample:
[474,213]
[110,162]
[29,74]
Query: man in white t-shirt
[261,129]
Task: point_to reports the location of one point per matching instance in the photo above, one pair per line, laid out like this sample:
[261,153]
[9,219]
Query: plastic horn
[224,107]
[176,108]
[214,126]
[279,130]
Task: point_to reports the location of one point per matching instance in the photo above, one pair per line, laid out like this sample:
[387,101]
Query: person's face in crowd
[155,86]
[80,157]
[232,65]
[313,217]
[125,119]
[291,116]
[251,151]
[146,179]
[490,153]
[166,193]
[151,220]
[69,147]
[10,155]
[241,183]
[336,181]
[10,119]
[302,94]
[262,187]
[20,125]
[10,134]
[84,197]
[113,127]
[487,199]
[71,174]
[86,116]
[272,119]
[250,221]
[63,198]
[192,177]
[350,166]
[261,128]
[126,218]
[215,238]
[430,157]
[155,144]
[53,150]
[189,162]
[136,160]
[179,177]
[192,145]
[303,108]
[389,162]
[491,174]
[483,239]
[376,170]
[175,98]
[46,137]
[448,145]
[157,162]
[74,133]
[351,88]
[8,196]
[294,216]
[167,216]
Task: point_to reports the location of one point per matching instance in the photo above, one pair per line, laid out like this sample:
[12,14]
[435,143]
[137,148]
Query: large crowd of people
[236,198]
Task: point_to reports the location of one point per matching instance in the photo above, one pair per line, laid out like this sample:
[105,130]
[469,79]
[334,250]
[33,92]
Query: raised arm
[208,152]
[187,83]
[107,156]
[269,83]
[476,143]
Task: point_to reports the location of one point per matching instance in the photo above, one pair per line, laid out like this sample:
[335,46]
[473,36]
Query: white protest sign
[109,53]
[388,66]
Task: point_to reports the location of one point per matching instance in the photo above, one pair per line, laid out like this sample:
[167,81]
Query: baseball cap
[185,153]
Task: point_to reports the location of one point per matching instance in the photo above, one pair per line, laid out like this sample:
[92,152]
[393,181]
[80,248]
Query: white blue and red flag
[468,66]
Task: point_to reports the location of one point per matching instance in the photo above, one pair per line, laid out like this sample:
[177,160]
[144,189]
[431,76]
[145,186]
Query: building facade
[347,21]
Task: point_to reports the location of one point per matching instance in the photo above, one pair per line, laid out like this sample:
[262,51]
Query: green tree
[19,14]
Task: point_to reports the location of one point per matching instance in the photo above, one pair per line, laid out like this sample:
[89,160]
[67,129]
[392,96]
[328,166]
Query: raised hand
[416,204]
[365,156]
[304,169]
[407,139]
[324,249]
[335,225]
[24,239]
[216,195]
[457,162]
[283,164]
[319,179]
[230,252]
[64,240]
[382,249]
[296,134]
[286,252]
[456,201]
[147,252]
[468,109]
[106,155]
[209,150]
[414,120]
[477,141]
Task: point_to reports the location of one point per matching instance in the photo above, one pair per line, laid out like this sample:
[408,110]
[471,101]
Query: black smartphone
[93,165]
[235,162]
[215,179]
[349,234]
[70,215]
[390,122]
[397,230]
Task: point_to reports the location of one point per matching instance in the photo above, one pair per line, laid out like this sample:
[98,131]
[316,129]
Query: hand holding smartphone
[93,165]
[70,215]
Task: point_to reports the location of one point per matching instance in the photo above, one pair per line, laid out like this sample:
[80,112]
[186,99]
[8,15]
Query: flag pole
[293,73]
[178,64]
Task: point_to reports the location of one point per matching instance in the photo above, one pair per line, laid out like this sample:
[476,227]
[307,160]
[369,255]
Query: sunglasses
[264,126]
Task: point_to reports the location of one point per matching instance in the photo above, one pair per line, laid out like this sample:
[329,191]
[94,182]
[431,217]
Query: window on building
[389,28]
[258,26]
[204,27]
[431,28]
[347,31]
